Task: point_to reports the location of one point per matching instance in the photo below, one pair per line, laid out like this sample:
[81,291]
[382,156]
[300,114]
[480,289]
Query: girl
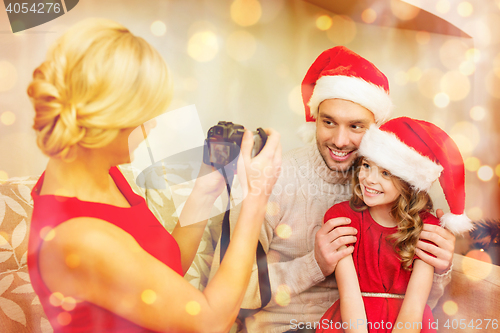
[108,265]
[383,286]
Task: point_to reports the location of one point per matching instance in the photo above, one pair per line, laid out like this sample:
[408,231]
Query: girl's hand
[259,174]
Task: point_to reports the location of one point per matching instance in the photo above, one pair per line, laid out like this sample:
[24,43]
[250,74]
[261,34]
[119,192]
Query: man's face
[340,126]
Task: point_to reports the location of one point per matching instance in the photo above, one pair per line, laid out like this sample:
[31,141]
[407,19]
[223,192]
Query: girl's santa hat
[419,153]
[340,73]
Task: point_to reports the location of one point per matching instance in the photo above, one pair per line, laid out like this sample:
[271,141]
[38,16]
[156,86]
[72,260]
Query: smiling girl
[383,285]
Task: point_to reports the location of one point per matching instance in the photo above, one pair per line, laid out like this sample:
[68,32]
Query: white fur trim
[388,152]
[353,89]
[307,132]
[457,224]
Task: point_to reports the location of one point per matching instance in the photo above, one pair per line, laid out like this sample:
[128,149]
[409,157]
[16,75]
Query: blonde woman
[95,249]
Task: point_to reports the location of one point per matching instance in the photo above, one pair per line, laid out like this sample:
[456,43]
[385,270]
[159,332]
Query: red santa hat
[340,73]
[419,153]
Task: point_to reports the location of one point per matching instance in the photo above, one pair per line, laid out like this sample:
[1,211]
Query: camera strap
[263,272]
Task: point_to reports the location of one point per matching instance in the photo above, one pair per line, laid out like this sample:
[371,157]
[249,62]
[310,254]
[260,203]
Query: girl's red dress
[379,271]
[51,210]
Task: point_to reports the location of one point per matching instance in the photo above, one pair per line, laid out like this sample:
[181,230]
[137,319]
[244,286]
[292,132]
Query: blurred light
[465,9]
[475,213]
[472,164]
[476,269]
[485,173]
[272,208]
[493,85]
[64,318]
[441,100]
[241,45]
[423,37]
[148,296]
[55,299]
[283,295]
[480,30]
[467,68]
[404,11]
[324,22]
[414,74]
[369,15]
[190,84]
[452,53]
[3,175]
[450,308]
[158,28]
[203,46]
[466,135]
[73,260]
[477,113]
[8,118]
[284,231]
[401,78]
[68,304]
[47,233]
[473,54]
[8,76]
[497,170]
[343,30]
[295,101]
[193,308]
[428,85]
[443,6]
[455,85]
[246,12]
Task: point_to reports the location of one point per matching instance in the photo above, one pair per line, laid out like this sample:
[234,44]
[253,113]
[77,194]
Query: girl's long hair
[406,210]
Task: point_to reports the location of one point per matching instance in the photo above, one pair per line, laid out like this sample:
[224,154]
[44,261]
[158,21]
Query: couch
[471,299]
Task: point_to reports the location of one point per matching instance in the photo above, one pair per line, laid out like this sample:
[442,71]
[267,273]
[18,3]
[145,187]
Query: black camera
[224,141]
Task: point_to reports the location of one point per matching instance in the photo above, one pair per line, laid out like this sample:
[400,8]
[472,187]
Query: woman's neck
[382,215]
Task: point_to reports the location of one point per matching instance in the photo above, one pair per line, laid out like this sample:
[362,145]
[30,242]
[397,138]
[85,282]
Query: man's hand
[443,250]
[329,239]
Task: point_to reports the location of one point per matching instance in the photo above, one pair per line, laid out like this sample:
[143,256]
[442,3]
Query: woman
[98,258]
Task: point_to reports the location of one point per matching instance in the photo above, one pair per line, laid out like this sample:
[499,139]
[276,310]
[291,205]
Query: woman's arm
[419,287]
[352,308]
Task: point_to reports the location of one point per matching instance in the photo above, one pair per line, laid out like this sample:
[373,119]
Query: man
[343,95]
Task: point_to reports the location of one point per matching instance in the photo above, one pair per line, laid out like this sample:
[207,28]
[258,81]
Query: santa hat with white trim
[340,73]
[419,153]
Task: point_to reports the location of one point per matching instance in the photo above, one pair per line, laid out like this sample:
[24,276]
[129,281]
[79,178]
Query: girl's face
[377,185]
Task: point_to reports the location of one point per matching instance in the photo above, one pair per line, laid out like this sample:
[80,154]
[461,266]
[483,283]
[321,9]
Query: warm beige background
[247,68]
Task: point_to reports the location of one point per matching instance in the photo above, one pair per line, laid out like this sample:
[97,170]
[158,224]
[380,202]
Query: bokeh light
[414,74]
[272,208]
[72,260]
[443,6]
[148,296]
[246,12]
[55,299]
[8,76]
[480,31]
[47,233]
[295,101]
[452,53]
[401,78]
[158,28]
[64,318]
[467,68]
[282,297]
[241,45]
[423,37]
[485,173]
[284,231]
[476,265]
[466,135]
[324,22]
[441,100]
[369,15]
[455,85]
[403,10]
[428,85]
[343,30]
[465,9]
[475,213]
[450,308]
[193,308]
[473,54]
[3,176]
[8,118]
[497,170]
[472,164]
[477,113]
[68,303]
[203,46]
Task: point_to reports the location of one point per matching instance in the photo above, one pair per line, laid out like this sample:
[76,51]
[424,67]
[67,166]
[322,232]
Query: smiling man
[343,95]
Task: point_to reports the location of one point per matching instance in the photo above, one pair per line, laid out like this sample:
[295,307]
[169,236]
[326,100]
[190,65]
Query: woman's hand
[259,174]
[210,182]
